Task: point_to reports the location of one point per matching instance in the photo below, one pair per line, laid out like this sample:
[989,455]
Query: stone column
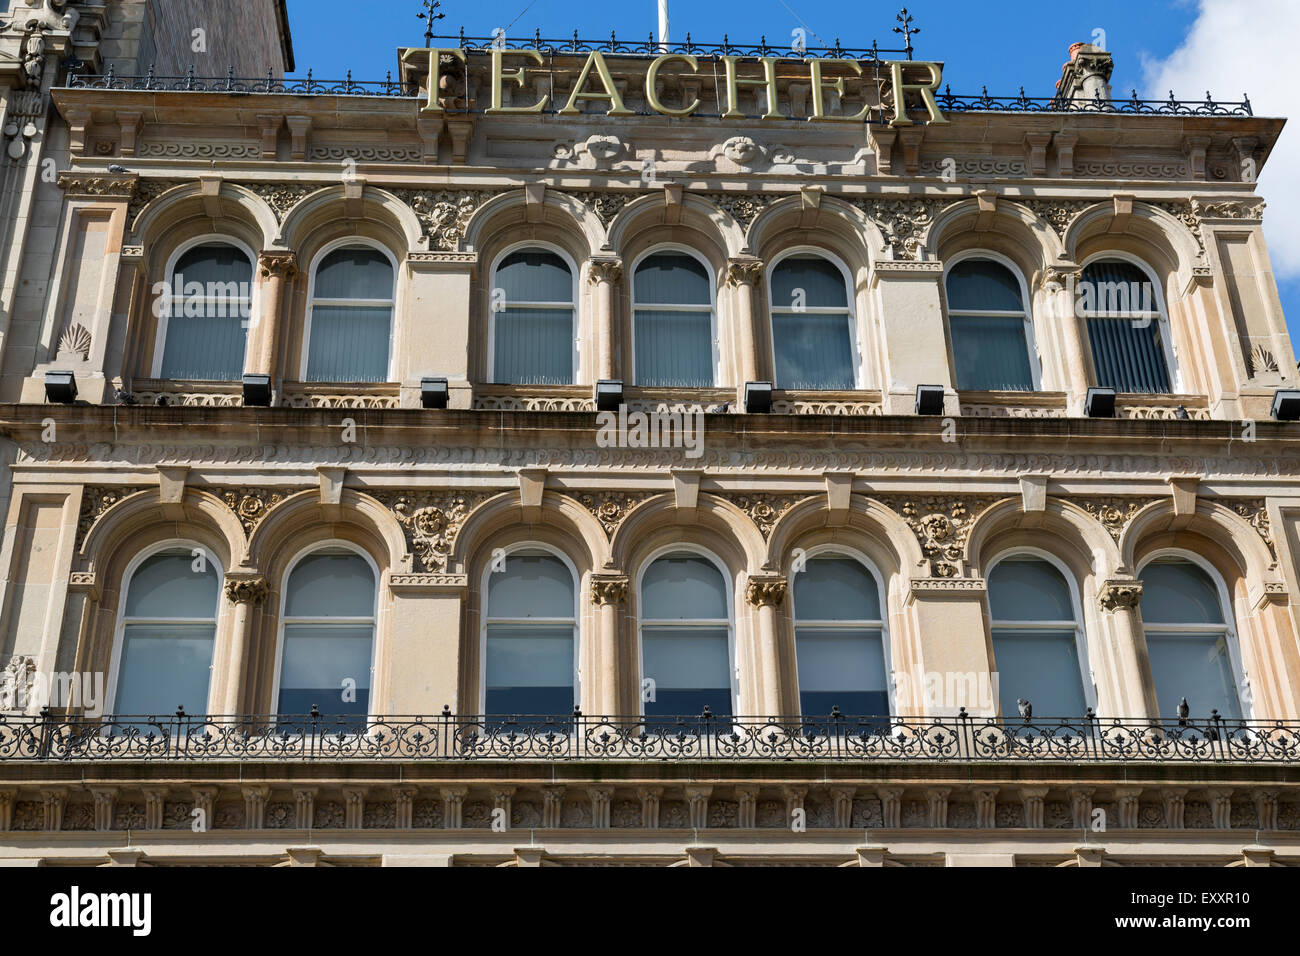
[1059,287]
[744,275]
[604,275]
[608,592]
[767,593]
[1118,600]
[277,270]
[244,593]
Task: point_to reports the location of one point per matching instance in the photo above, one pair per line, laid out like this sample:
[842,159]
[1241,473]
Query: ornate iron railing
[951,102]
[190,83]
[651,48]
[572,737]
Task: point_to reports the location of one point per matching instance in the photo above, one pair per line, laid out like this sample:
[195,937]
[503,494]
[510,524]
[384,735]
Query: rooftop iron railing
[708,737]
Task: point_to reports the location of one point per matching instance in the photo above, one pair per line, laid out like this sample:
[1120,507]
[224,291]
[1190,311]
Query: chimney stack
[1087,75]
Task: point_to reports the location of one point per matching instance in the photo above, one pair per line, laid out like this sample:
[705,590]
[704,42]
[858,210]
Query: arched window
[685,637]
[673,322]
[839,640]
[1126,330]
[990,327]
[1036,639]
[167,632]
[533,333]
[812,327]
[1189,640]
[530,637]
[205,329]
[351,322]
[328,634]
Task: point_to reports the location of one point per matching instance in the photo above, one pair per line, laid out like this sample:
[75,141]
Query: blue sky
[1022,43]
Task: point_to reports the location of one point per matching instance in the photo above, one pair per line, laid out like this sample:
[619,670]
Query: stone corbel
[353,207]
[171,490]
[872,855]
[270,126]
[673,203]
[911,137]
[810,206]
[299,129]
[430,127]
[882,140]
[461,130]
[1065,143]
[1184,491]
[839,494]
[331,491]
[78,123]
[534,201]
[532,485]
[686,490]
[1123,213]
[129,124]
[1033,493]
[1195,148]
[1261,595]
[210,195]
[1245,147]
[1036,152]
[987,201]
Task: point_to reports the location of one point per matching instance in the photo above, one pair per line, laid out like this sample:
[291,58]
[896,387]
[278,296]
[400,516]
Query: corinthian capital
[604,270]
[766,591]
[1120,595]
[744,272]
[282,265]
[606,591]
[247,590]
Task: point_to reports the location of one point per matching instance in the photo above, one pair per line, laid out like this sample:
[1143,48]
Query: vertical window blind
[533,335]
[812,337]
[673,322]
[988,321]
[685,630]
[351,317]
[839,640]
[530,637]
[207,322]
[1125,331]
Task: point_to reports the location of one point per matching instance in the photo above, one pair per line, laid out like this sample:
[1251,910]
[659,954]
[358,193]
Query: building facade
[620,455]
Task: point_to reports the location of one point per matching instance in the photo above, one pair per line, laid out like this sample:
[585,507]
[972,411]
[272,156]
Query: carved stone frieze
[444,214]
[250,505]
[904,222]
[199,149]
[1113,514]
[431,522]
[1229,209]
[765,510]
[1057,213]
[606,205]
[742,207]
[281,197]
[942,524]
[96,186]
[610,508]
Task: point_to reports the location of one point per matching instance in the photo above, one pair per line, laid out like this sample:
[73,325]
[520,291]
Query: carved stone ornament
[146,191]
[45,15]
[599,150]
[283,265]
[1261,360]
[95,186]
[609,590]
[250,505]
[766,592]
[281,197]
[744,208]
[1230,209]
[765,510]
[604,270]
[612,507]
[1057,213]
[247,590]
[431,523]
[903,222]
[1255,511]
[74,342]
[1186,213]
[16,682]
[95,501]
[1117,595]
[605,205]
[1114,514]
[444,214]
[941,524]
[744,272]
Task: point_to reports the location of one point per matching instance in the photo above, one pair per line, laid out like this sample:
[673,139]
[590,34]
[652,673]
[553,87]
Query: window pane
[1179,592]
[690,669]
[349,344]
[991,353]
[318,658]
[535,276]
[813,350]
[979,285]
[683,588]
[844,669]
[533,347]
[674,349]
[1028,590]
[836,589]
[822,284]
[166,586]
[354,274]
[1128,353]
[672,278]
[1042,666]
[530,670]
[331,585]
[164,667]
[205,340]
[532,585]
[1195,666]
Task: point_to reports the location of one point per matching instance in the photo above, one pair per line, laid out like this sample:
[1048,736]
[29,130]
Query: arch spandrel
[560,211]
[715,523]
[1240,539]
[1153,234]
[316,219]
[139,515]
[561,521]
[869,527]
[1010,228]
[835,224]
[301,519]
[650,214]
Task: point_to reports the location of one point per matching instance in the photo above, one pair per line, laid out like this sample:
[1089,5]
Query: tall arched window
[812,327]
[533,330]
[328,634]
[1189,640]
[685,637]
[1036,639]
[530,637]
[839,639]
[673,322]
[1126,327]
[990,327]
[351,321]
[205,328]
[166,634]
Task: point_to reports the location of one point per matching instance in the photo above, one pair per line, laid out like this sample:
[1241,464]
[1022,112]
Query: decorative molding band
[98,186]
[907,269]
[428,582]
[920,587]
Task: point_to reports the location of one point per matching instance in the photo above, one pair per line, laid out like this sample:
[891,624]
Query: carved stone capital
[247,590]
[609,590]
[279,265]
[604,270]
[744,272]
[766,591]
[1120,595]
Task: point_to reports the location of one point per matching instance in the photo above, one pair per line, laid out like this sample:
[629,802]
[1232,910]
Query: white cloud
[1232,48]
